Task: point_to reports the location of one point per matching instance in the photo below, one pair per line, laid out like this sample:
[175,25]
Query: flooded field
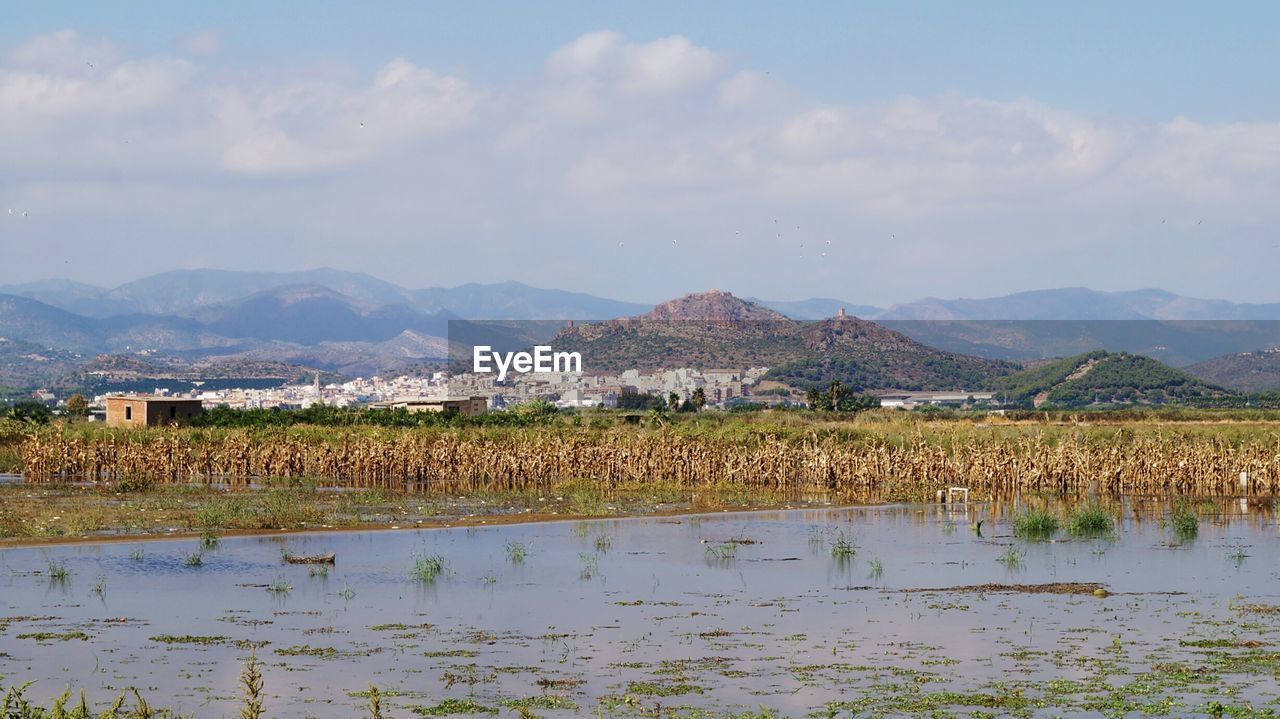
[893,610]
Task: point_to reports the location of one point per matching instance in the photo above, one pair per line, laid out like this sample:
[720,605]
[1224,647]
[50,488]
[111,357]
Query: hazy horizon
[873,155]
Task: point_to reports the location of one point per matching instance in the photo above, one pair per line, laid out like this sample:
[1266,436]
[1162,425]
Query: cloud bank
[659,156]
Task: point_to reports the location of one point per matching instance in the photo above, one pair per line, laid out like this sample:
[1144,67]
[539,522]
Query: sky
[875,153]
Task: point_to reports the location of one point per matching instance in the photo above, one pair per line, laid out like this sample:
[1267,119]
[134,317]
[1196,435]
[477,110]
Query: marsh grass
[590,565]
[426,567]
[1090,520]
[279,587]
[1011,558]
[194,559]
[516,551]
[251,686]
[1237,556]
[877,570]
[57,571]
[209,539]
[723,551]
[842,548]
[1182,521]
[1035,523]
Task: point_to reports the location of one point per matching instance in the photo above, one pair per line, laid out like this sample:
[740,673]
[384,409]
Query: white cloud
[317,125]
[659,136]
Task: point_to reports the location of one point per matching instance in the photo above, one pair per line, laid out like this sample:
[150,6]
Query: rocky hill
[717,330]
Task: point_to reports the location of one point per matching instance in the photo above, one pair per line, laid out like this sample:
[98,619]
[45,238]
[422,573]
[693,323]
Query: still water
[636,617]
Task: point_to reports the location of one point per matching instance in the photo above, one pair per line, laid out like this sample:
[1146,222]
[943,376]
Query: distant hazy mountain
[310,314]
[516,301]
[818,308]
[186,292]
[1079,303]
[1175,342]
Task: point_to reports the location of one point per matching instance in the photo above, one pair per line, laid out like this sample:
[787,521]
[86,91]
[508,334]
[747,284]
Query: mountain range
[354,323]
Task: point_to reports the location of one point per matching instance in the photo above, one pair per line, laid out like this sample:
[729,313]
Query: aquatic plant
[136,555]
[516,551]
[590,565]
[194,559]
[99,588]
[877,570]
[1035,524]
[58,571]
[723,552]
[603,542]
[1183,521]
[251,683]
[375,703]
[843,548]
[279,587]
[1089,520]
[209,539]
[1237,555]
[319,570]
[1011,558]
[426,567]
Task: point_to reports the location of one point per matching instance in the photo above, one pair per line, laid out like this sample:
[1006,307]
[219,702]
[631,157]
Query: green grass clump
[1183,521]
[516,551]
[843,548]
[58,571]
[1035,524]
[1090,520]
[426,567]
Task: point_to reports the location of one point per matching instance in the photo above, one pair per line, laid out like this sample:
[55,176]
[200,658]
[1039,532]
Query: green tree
[673,401]
[77,406]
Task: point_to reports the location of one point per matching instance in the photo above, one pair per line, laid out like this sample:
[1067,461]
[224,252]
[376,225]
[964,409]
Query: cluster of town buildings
[472,394]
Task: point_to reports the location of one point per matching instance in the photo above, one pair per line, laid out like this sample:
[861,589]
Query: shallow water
[625,617]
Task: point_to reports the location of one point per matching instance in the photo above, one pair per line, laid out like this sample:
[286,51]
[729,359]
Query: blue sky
[1146,59]
[429,143]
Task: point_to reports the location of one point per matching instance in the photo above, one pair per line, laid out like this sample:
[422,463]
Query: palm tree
[699,399]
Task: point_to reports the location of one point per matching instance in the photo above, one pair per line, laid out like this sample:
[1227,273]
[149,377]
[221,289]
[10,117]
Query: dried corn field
[529,459]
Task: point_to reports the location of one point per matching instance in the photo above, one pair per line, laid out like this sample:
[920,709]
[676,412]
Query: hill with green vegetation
[715,330]
[1103,378]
